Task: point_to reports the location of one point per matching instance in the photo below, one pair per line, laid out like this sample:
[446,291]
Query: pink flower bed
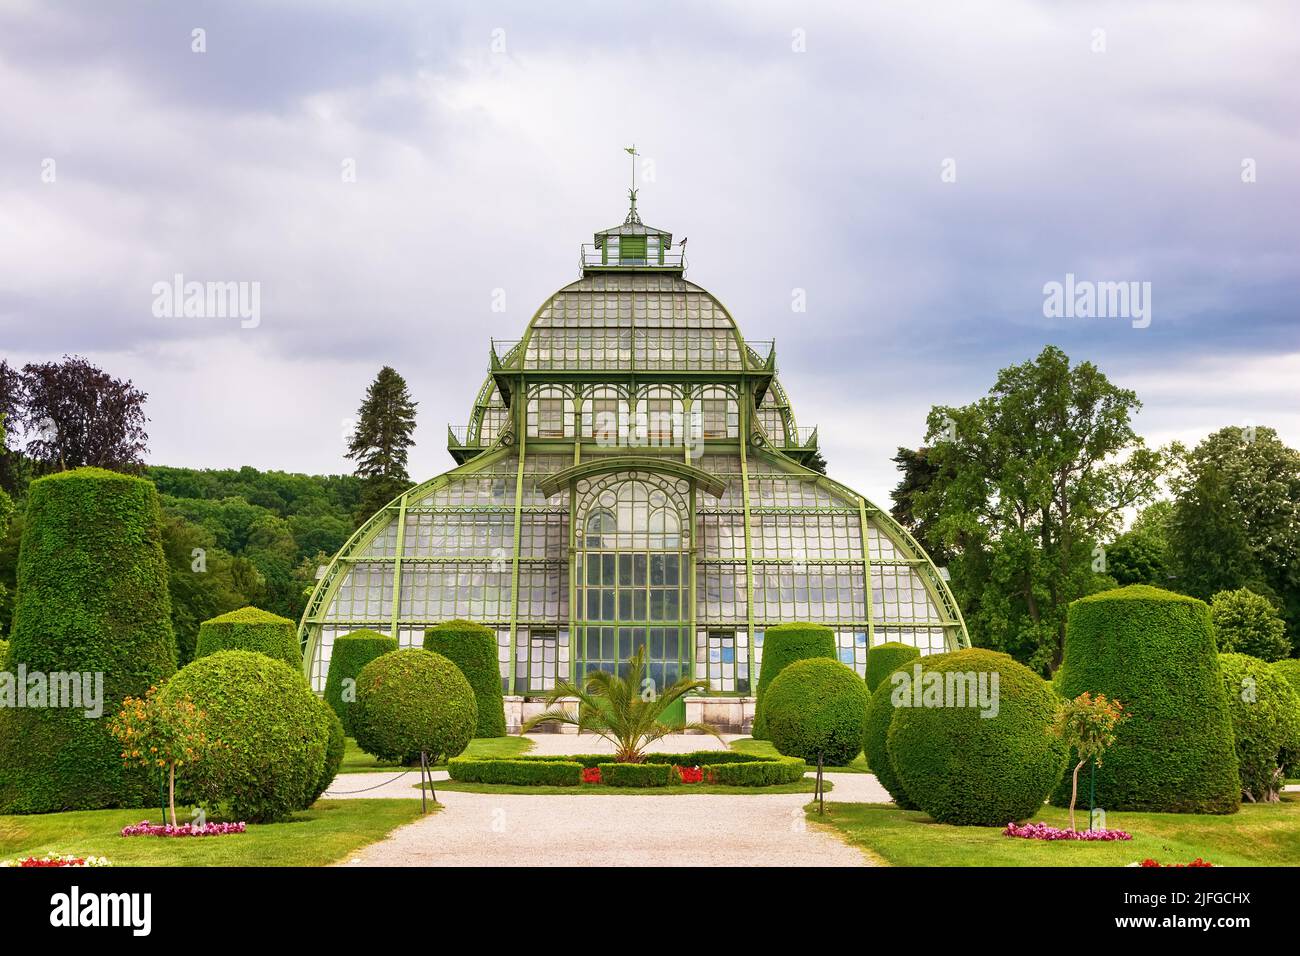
[145,828]
[1041,831]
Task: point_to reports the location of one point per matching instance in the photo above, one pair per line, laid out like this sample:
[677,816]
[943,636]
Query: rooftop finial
[632,215]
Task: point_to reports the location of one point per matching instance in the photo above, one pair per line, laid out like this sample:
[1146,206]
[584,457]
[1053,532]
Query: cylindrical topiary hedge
[1154,652]
[818,707]
[91,601]
[411,701]
[272,733]
[973,744]
[473,648]
[251,629]
[875,737]
[884,659]
[783,644]
[1265,723]
[350,654]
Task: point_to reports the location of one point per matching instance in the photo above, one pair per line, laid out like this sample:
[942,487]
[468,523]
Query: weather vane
[631,193]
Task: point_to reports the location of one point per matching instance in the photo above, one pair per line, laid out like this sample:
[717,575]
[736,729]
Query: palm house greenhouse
[632,475]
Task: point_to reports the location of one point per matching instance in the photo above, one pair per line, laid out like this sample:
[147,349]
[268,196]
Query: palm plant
[623,710]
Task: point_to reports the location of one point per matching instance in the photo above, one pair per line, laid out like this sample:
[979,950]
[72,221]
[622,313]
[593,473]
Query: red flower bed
[591,775]
[689,774]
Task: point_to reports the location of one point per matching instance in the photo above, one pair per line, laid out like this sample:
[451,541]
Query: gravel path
[478,829]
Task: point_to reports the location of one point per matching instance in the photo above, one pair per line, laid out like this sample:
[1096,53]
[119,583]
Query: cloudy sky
[919,169]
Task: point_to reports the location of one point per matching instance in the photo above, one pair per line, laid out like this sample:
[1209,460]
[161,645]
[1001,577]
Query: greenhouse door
[632,575]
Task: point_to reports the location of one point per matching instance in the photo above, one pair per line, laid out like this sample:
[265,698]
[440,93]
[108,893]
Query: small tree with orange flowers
[1088,725]
[161,735]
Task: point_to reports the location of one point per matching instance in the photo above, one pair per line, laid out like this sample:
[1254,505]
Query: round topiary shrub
[817,706]
[884,659]
[251,629]
[335,746]
[875,737]
[272,735]
[1154,652]
[410,701]
[91,600]
[473,648]
[351,653]
[1290,669]
[783,644]
[979,749]
[1265,723]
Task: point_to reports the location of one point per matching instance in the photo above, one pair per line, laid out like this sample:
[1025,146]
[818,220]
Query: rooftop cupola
[633,245]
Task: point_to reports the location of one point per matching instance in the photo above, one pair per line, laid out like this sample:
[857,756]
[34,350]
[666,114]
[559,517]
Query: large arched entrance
[631,568]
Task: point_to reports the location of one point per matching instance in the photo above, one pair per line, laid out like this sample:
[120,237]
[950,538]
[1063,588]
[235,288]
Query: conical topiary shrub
[1154,652]
[783,644]
[251,629]
[473,648]
[91,600]
[352,652]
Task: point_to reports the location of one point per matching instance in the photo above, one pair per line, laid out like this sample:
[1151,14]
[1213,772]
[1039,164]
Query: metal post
[821,792]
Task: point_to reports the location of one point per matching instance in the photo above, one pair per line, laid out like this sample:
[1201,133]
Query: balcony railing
[595,257]
[805,436]
[458,436]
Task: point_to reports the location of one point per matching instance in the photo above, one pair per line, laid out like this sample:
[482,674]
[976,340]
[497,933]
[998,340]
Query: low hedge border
[725,767]
[525,773]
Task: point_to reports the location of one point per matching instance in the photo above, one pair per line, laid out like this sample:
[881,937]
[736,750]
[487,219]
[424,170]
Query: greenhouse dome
[632,475]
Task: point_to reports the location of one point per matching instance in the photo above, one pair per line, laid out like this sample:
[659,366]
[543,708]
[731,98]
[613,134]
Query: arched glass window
[632,573]
[600,524]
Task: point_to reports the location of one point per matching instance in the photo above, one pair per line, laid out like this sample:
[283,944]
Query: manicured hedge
[251,629]
[783,644]
[961,765]
[1290,669]
[524,773]
[1265,723]
[473,648]
[875,738]
[335,747]
[352,652]
[754,773]
[637,774]
[4,654]
[818,706]
[727,767]
[91,597]
[272,732]
[884,659]
[410,701]
[1154,652]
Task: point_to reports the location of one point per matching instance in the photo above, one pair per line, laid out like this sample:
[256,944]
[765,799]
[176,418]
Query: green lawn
[805,785]
[327,833]
[1260,835]
[356,760]
[764,748]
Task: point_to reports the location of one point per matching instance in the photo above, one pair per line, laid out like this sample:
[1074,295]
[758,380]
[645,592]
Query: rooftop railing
[592,256]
